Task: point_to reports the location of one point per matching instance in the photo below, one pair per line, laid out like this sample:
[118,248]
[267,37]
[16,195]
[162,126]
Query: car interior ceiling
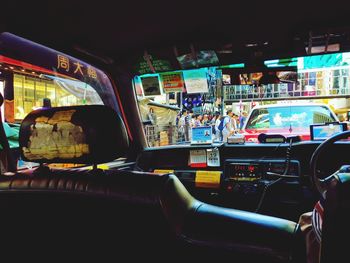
[151,205]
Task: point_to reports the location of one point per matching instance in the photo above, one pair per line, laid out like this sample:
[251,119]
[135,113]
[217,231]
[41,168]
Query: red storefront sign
[172,82]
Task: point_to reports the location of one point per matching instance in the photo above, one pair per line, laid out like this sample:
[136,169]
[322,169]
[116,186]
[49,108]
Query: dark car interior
[126,207]
[149,204]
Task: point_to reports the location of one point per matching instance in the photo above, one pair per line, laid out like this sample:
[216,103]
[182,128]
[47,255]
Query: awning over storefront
[164,114]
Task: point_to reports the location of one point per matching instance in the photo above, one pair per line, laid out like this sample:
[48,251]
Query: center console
[249,176]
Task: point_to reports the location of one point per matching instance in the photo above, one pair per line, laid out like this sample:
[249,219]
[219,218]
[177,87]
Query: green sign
[159,65]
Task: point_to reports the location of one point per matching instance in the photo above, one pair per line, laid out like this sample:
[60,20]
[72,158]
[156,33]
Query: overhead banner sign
[196,80]
[172,82]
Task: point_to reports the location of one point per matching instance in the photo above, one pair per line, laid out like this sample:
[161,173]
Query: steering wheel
[318,183]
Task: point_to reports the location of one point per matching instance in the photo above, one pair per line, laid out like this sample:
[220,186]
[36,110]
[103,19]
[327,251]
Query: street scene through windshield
[286,97]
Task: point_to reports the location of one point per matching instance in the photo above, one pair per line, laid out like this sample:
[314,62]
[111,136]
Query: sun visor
[75,134]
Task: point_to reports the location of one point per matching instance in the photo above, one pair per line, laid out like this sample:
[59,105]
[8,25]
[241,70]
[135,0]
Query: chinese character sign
[91,72]
[76,68]
[63,62]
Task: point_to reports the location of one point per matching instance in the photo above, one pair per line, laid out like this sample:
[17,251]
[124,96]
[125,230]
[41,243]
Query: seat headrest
[75,134]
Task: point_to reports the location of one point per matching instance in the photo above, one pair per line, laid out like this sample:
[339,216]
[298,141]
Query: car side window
[258,119]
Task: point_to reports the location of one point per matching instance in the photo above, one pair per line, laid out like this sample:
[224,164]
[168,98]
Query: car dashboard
[250,177]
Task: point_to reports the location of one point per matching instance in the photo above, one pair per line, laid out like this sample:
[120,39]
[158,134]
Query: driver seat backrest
[336,219]
[89,134]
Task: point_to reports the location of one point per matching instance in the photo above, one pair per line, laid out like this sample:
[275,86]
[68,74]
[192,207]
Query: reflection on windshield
[31,91]
[288,116]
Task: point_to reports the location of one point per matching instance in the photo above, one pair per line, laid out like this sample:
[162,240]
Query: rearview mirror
[260,75]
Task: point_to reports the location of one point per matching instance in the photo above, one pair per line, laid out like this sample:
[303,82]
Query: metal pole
[310,43]
[181,98]
[222,98]
[167,98]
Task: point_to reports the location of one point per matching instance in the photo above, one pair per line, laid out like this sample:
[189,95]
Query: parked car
[287,120]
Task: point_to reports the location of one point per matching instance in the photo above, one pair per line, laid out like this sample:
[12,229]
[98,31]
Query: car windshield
[289,117]
[285,93]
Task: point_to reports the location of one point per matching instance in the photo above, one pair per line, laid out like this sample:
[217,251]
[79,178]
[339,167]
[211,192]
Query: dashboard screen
[324,131]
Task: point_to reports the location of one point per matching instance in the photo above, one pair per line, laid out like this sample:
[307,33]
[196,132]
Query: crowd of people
[231,123]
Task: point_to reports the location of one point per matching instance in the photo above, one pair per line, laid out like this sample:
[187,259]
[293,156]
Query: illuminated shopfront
[30,92]
[25,89]
[34,76]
